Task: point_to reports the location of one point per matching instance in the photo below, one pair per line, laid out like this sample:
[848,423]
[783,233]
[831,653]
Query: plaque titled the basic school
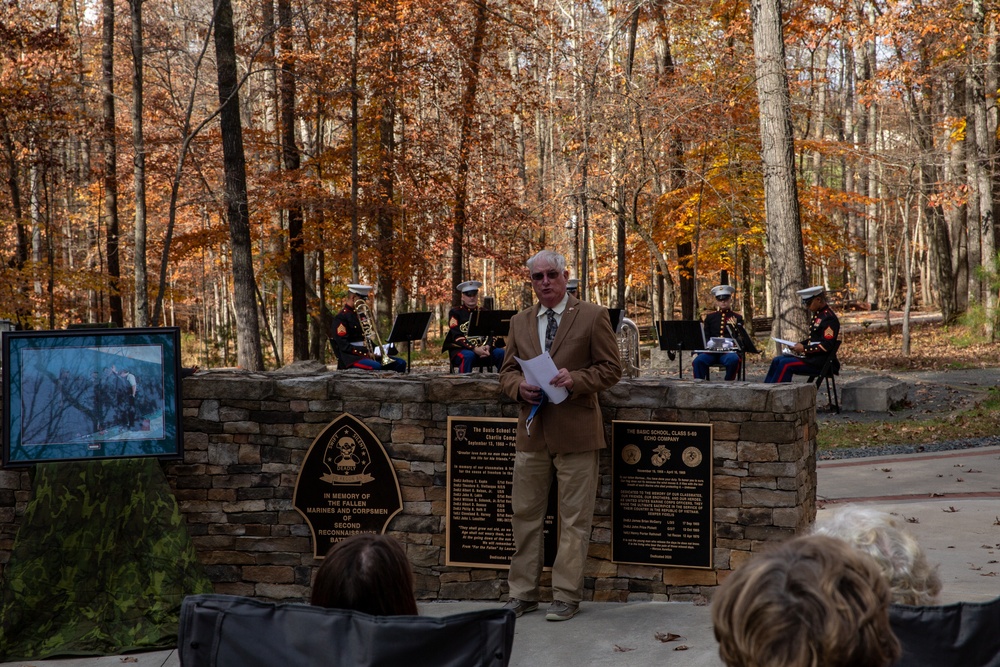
[661,494]
[480,472]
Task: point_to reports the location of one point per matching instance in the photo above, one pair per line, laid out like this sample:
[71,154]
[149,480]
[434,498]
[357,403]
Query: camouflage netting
[101,563]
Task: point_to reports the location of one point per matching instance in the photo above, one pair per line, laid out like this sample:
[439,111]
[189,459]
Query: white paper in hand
[539,372]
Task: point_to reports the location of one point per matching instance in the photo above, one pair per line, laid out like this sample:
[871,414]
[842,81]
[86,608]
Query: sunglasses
[723,297]
[472,292]
[552,275]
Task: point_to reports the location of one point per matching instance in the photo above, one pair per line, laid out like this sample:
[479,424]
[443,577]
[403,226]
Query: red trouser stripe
[786,367]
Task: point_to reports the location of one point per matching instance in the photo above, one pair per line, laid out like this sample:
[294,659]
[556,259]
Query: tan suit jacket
[586,346]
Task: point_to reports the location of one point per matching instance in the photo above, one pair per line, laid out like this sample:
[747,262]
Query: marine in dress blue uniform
[825,329]
[463,354]
[715,326]
[348,338]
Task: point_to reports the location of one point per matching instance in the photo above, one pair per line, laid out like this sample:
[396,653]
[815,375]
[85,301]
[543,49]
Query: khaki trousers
[577,475]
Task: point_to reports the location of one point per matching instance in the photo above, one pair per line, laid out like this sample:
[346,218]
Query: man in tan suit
[565,439]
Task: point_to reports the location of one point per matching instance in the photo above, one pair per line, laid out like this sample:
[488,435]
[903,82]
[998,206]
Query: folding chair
[829,371]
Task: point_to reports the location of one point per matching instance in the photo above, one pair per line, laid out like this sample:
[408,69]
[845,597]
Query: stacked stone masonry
[246,434]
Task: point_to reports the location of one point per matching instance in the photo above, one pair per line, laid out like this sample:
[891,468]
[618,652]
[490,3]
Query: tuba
[372,340]
[628,347]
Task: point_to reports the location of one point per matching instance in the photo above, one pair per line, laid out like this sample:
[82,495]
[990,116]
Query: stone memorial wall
[246,434]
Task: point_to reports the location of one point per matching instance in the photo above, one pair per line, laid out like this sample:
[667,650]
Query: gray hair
[551,256]
[899,556]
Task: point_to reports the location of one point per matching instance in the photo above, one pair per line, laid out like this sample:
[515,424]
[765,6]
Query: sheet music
[539,372]
[787,349]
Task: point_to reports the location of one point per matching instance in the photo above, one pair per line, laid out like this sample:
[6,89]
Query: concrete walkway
[951,499]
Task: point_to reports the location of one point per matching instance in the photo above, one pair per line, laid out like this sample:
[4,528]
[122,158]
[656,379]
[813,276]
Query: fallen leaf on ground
[682,647]
[667,636]
[622,649]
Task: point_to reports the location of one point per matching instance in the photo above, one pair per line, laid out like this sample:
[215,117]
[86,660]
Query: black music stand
[616,318]
[409,327]
[680,335]
[743,339]
[487,323]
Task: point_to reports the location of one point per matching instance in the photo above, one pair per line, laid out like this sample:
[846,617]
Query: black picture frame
[68,395]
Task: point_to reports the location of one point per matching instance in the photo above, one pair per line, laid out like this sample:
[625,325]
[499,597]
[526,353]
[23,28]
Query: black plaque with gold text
[661,494]
[346,485]
[480,473]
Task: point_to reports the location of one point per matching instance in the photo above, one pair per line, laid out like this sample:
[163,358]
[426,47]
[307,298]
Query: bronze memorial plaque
[480,470]
[661,494]
[346,484]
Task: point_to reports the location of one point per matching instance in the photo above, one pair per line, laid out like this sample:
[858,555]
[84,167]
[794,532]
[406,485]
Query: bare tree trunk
[871,179]
[981,164]
[471,76]
[272,122]
[856,129]
[385,216]
[784,231]
[355,54]
[975,294]
[290,154]
[110,160]
[955,171]
[248,350]
[139,172]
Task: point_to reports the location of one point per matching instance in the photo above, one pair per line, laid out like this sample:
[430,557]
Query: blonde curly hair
[811,602]
[884,537]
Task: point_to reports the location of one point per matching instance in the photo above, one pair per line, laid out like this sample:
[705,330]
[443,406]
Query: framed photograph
[91,394]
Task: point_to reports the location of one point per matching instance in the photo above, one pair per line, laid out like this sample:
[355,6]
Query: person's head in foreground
[811,602]
[368,573]
[911,578]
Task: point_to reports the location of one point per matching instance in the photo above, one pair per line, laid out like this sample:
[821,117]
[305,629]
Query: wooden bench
[761,324]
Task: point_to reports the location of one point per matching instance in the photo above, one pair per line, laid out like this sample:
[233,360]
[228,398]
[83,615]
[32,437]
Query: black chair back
[963,634]
[234,631]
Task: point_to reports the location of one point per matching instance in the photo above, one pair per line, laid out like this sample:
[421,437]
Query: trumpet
[372,340]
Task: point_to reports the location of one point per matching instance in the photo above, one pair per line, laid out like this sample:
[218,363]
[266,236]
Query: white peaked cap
[469,285]
[720,290]
[360,290]
[810,292]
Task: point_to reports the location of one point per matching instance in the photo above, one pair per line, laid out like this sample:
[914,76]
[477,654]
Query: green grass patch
[977,422]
